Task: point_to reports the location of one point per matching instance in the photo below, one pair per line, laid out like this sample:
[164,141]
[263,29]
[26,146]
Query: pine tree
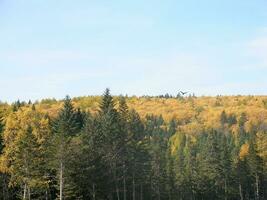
[178,151]
[172,127]
[25,136]
[138,160]
[107,103]
[255,164]
[79,118]
[209,168]
[111,132]
[125,138]
[158,138]
[225,166]
[1,131]
[189,179]
[3,176]
[170,175]
[65,126]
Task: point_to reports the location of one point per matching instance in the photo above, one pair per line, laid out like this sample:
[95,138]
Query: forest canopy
[135,148]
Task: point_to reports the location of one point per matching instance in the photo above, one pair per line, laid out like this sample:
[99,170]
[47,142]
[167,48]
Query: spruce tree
[110,130]
[138,160]
[1,130]
[65,126]
[225,166]
[209,168]
[25,137]
[255,164]
[124,138]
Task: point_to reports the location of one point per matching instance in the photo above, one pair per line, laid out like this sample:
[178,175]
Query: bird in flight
[183,93]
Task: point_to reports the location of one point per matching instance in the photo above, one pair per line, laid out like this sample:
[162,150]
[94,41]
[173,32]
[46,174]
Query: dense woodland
[135,148]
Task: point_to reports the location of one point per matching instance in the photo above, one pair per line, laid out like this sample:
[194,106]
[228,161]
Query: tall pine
[65,126]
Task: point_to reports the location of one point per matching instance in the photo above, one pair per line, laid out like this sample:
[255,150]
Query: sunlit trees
[131,148]
[65,126]
[25,140]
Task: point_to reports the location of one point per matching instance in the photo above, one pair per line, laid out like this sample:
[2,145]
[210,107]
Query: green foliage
[24,154]
[67,124]
[162,148]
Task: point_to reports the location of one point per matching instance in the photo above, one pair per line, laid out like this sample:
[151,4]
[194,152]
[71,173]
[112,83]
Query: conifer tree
[25,137]
[125,138]
[209,165]
[225,166]
[1,131]
[111,132]
[138,156]
[255,164]
[65,126]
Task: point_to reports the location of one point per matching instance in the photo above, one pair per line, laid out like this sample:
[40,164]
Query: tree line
[115,154]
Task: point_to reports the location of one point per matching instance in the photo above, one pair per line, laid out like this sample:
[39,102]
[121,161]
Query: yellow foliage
[244,150]
[16,126]
[193,114]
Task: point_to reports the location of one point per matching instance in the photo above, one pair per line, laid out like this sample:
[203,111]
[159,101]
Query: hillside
[104,147]
[190,112]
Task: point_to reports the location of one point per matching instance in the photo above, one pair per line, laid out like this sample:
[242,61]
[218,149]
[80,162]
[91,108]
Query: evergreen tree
[125,138]
[172,127]
[158,142]
[255,164]
[225,166]
[209,168]
[138,162]
[65,126]
[1,132]
[25,136]
[112,147]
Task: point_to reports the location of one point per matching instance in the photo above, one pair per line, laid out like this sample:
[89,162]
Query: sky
[52,48]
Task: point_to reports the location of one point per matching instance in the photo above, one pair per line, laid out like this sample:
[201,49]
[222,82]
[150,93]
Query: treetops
[191,113]
[113,147]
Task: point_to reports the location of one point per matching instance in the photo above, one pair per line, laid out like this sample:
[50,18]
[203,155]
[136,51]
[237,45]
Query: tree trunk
[133,186]
[61,181]
[240,192]
[141,192]
[116,181]
[93,191]
[225,189]
[124,182]
[151,189]
[46,195]
[29,193]
[25,191]
[117,187]
[5,187]
[257,187]
[158,191]
[110,196]
[170,194]
[118,192]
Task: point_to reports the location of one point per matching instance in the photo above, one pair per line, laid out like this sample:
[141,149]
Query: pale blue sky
[50,48]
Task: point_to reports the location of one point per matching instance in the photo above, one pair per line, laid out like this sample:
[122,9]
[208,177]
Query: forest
[134,148]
